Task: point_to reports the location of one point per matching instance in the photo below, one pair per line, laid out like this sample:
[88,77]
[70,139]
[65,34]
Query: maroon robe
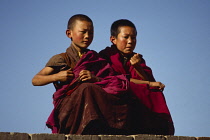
[90,108]
[155,116]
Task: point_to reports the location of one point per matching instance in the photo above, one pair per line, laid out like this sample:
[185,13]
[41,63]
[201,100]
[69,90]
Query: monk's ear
[69,33]
[113,40]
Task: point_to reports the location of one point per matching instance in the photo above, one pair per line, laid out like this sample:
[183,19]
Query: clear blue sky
[173,36]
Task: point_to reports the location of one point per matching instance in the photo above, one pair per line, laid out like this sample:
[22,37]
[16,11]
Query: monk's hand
[86,75]
[64,75]
[135,59]
[160,85]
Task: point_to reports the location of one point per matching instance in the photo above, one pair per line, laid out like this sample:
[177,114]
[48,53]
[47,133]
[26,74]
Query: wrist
[55,78]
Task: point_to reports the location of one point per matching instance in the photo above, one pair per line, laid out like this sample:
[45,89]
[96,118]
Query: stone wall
[25,136]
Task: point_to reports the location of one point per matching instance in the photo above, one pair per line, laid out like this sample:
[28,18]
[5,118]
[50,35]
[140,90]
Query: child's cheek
[78,37]
[123,43]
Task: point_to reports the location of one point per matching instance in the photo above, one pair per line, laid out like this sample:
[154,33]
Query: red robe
[155,114]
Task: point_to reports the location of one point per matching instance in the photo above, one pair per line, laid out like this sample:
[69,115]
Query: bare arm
[135,61]
[160,85]
[141,72]
[47,75]
[136,81]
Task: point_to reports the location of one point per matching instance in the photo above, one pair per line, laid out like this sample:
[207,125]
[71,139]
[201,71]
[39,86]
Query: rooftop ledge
[44,136]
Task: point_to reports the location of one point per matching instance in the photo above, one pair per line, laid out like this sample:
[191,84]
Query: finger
[82,72]
[84,78]
[136,55]
[70,75]
[131,60]
[87,73]
[162,86]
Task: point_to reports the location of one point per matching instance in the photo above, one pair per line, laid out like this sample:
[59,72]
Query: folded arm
[135,62]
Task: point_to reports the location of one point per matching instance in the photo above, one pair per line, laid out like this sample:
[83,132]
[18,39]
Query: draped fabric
[155,114]
[78,105]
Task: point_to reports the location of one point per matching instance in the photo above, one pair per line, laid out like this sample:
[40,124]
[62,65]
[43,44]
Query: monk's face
[126,40]
[81,34]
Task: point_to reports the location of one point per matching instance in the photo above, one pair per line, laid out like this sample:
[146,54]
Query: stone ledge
[45,136]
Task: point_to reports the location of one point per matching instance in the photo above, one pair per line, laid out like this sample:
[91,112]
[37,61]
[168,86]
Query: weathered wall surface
[25,136]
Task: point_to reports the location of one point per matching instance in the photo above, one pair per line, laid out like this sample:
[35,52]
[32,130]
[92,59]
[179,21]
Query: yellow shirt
[80,54]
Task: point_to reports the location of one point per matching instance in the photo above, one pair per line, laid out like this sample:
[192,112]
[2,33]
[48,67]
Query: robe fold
[155,115]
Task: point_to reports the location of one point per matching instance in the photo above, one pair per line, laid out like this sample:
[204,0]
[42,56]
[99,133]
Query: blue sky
[173,36]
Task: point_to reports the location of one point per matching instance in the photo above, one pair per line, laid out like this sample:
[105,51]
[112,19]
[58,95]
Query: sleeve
[56,61]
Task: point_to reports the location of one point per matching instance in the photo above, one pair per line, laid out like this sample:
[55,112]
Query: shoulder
[105,51]
[56,60]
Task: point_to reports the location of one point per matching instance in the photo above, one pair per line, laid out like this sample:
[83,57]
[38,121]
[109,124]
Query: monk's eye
[83,32]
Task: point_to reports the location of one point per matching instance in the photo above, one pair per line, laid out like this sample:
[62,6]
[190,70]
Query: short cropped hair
[115,28]
[76,17]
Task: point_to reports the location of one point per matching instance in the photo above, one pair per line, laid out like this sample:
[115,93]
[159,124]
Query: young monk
[155,116]
[86,99]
